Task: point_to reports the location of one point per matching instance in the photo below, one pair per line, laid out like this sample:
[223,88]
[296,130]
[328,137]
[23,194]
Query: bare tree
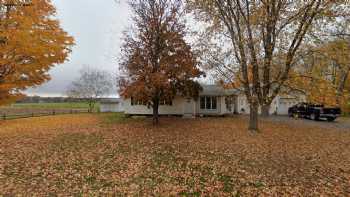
[265,38]
[91,85]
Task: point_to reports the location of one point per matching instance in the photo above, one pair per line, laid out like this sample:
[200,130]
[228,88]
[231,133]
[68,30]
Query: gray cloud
[97,28]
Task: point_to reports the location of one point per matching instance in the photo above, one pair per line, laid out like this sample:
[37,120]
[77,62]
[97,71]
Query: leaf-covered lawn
[106,154]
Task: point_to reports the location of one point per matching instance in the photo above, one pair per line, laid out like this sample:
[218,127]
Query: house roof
[110,101]
[217,90]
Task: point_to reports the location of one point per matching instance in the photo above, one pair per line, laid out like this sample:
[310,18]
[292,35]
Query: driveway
[340,123]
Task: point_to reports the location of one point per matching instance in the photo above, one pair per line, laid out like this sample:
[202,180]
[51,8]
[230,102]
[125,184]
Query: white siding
[243,105]
[111,107]
[223,110]
[180,106]
[176,109]
[279,106]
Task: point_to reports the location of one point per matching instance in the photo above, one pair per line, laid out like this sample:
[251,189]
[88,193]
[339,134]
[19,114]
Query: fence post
[53,112]
[32,114]
[4,116]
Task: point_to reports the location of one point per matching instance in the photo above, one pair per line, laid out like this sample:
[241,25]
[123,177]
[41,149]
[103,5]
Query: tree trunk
[265,110]
[155,111]
[341,86]
[91,106]
[253,119]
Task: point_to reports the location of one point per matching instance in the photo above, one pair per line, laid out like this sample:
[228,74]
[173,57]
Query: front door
[189,106]
[231,103]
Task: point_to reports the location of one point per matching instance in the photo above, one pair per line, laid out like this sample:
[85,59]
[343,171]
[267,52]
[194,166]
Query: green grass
[110,118]
[116,118]
[81,105]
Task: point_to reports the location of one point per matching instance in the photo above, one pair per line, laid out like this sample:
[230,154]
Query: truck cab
[314,111]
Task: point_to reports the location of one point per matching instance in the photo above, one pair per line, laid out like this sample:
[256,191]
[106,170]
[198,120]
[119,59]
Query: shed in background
[111,105]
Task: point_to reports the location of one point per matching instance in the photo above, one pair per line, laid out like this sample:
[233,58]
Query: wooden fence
[5,116]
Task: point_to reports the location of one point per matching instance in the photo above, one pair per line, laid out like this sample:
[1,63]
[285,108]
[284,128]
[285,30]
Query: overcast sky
[96,26]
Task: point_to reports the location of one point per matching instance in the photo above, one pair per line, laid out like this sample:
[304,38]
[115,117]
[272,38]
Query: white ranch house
[213,100]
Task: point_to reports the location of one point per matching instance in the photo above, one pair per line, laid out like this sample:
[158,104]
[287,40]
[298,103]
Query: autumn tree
[156,62]
[265,37]
[91,85]
[32,42]
[324,72]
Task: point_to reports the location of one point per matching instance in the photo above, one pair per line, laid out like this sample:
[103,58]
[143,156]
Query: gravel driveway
[340,123]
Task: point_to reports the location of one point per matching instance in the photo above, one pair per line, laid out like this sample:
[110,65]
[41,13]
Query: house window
[208,102]
[213,103]
[202,102]
[137,102]
[164,102]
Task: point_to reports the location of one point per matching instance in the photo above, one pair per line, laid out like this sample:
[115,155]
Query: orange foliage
[32,42]
[156,60]
[317,91]
[324,75]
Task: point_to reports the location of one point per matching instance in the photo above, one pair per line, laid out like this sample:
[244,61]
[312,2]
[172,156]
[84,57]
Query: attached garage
[279,106]
[284,104]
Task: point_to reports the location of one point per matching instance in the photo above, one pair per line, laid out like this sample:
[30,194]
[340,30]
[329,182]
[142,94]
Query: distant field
[25,109]
[53,105]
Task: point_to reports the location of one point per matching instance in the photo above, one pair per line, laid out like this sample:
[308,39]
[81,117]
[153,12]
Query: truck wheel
[331,119]
[291,114]
[313,117]
[295,115]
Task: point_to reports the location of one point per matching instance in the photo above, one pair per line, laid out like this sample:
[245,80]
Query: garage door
[283,108]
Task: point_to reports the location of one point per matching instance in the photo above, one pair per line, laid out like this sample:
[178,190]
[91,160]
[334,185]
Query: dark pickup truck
[314,111]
